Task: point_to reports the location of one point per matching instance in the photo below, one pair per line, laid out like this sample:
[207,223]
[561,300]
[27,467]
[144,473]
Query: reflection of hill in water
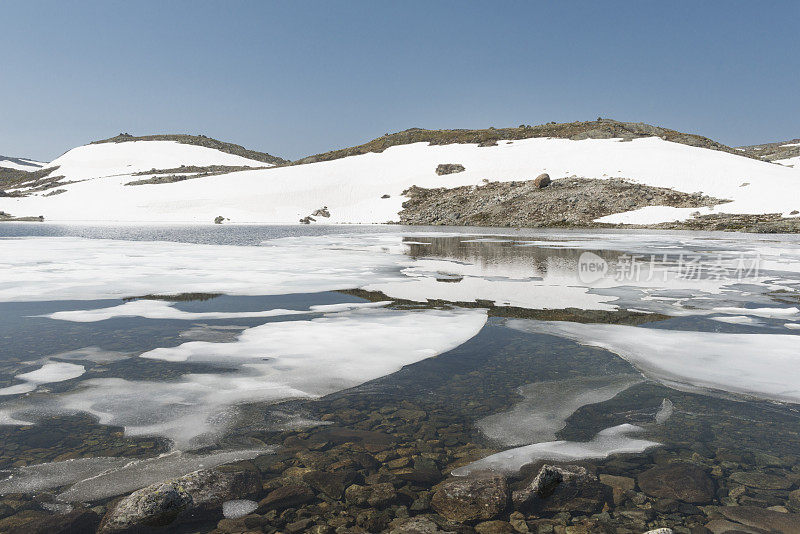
[537,260]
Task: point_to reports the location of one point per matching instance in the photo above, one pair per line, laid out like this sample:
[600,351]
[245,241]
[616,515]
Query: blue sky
[296,78]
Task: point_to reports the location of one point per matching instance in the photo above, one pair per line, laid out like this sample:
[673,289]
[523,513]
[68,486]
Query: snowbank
[353,188]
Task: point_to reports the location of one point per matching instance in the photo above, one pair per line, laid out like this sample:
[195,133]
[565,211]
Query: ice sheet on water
[759,365]
[102,477]
[74,268]
[614,440]
[270,362]
[46,374]
[159,309]
[547,405]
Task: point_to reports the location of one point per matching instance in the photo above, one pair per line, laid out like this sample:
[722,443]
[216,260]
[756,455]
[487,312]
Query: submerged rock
[558,488]
[153,506]
[680,481]
[473,498]
[287,496]
[160,504]
[75,522]
[765,520]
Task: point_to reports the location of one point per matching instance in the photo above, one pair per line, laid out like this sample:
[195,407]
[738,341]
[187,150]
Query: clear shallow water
[441,283]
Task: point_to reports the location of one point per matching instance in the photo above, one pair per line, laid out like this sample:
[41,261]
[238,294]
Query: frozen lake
[134,354]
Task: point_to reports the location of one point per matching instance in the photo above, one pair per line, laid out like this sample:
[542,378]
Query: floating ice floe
[614,440]
[158,309]
[758,365]
[46,374]
[547,405]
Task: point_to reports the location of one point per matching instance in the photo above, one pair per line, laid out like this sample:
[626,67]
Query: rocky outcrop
[539,202]
[472,498]
[449,168]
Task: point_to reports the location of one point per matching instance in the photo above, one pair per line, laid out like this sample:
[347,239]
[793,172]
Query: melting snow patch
[614,440]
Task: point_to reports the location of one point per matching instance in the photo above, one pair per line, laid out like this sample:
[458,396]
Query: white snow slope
[352,187]
[20,164]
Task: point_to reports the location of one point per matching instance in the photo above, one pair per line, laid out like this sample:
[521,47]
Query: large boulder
[472,498]
[190,495]
[562,488]
[287,496]
[762,519]
[153,506]
[681,481]
[375,495]
[542,181]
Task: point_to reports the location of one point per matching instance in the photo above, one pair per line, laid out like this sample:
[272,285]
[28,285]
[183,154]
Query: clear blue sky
[295,78]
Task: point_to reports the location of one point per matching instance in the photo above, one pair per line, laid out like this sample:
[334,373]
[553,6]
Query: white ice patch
[238,508]
[760,365]
[46,374]
[270,362]
[158,309]
[547,405]
[614,440]
[37,269]
[102,477]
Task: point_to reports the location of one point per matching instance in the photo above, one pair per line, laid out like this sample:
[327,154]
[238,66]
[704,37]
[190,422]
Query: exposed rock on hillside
[599,129]
[199,140]
[565,202]
[773,151]
[187,172]
[449,168]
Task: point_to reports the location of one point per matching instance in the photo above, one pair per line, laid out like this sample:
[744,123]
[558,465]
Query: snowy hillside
[20,164]
[368,188]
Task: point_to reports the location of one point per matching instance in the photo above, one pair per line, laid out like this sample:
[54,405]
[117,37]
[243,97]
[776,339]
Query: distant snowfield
[352,188]
[20,164]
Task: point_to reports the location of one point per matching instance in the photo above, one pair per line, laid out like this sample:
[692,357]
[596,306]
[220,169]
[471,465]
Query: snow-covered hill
[368,188]
[20,164]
